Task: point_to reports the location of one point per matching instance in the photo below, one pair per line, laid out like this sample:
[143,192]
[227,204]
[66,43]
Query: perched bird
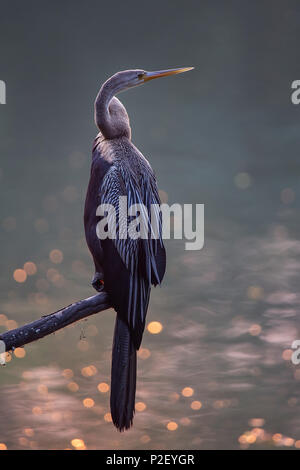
[125,267]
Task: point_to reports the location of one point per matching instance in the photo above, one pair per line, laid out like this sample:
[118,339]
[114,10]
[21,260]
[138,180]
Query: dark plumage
[127,267]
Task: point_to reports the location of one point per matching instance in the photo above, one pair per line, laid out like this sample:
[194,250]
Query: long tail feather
[123,377]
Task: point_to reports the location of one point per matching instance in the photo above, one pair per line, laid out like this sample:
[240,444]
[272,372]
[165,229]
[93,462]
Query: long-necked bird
[125,267]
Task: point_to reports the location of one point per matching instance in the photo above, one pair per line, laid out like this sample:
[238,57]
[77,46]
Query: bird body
[125,267]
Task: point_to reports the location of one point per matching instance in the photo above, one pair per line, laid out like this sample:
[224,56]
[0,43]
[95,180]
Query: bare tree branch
[55,321]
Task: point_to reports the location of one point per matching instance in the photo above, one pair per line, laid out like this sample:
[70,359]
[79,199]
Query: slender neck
[110,115]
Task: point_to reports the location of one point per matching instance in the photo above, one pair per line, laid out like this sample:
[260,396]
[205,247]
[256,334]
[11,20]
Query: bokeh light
[172,426]
[140,406]
[196,405]
[30,268]
[107,417]
[88,402]
[103,387]
[20,275]
[56,256]
[73,387]
[68,373]
[187,391]
[154,327]
[20,353]
[78,444]
[144,353]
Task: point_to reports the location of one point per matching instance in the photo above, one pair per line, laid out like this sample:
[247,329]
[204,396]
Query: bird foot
[97,282]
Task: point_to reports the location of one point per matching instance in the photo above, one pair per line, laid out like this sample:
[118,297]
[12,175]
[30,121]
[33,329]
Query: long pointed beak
[164,73]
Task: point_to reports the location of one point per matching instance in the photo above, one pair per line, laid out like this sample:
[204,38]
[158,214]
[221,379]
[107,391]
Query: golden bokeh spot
[20,275]
[11,324]
[140,406]
[255,329]
[242,439]
[88,403]
[73,387]
[187,392]
[103,387]
[297,444]
[144,353]
[250,438]
[37,410]
[3,446]
[145,439]
[78,444]
[255,292]
[3,319]
[30,268]
[67,373]
[107,417]
[29,432]
[56,256]
[172,426]
[20,352]
[288,441]
[85,371]
[185,421]
[154,327]
[89,371]
[287,354]
[42,389]
[196,405]
[277,437]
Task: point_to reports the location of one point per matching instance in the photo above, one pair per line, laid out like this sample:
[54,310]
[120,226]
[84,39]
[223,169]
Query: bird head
[132,78]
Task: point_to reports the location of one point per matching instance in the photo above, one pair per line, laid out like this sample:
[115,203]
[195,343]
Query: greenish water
[225,135]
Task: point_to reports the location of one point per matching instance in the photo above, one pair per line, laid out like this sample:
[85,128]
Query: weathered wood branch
[55,321]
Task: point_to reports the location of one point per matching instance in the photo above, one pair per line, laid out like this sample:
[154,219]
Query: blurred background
[214,370]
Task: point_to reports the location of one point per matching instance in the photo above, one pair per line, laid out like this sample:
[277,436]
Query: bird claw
[97,282]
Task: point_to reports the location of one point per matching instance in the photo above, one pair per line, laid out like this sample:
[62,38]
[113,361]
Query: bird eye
[140,76]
